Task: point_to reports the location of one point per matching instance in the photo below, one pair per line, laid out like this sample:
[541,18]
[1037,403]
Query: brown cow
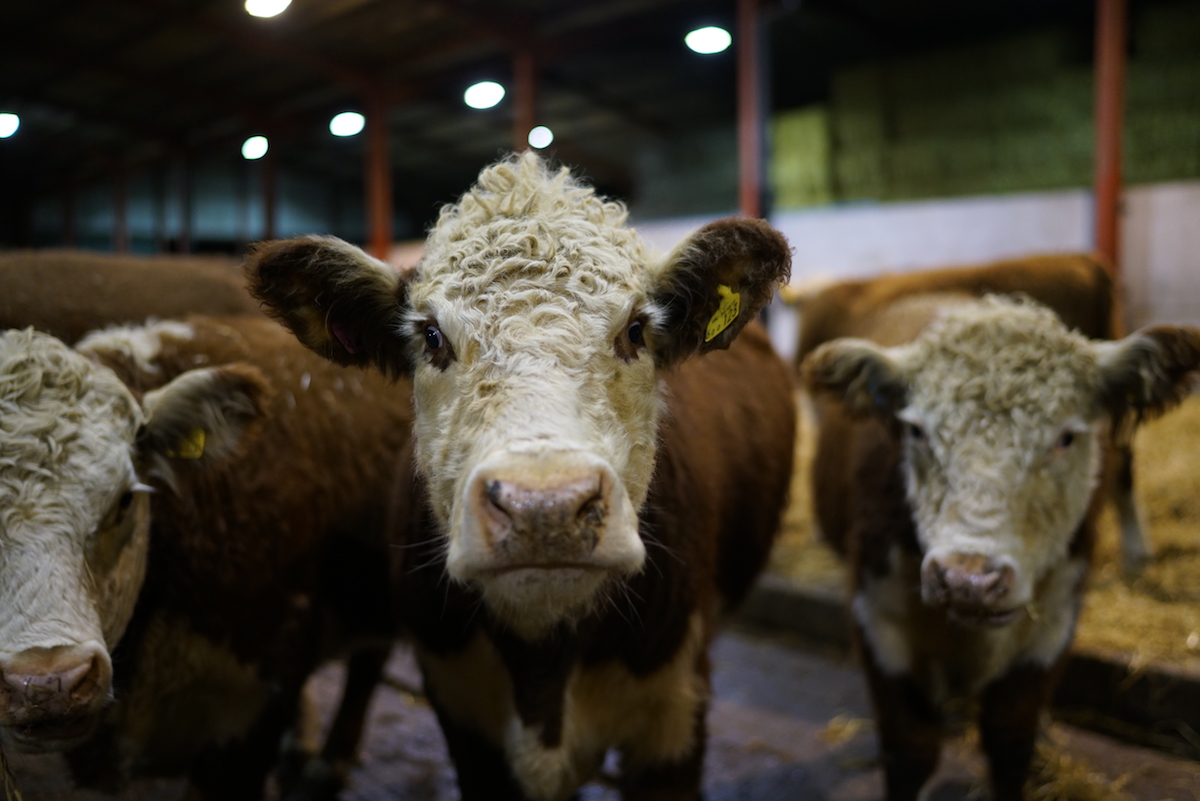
[591,497]
[1077,287]
[69,293]
[958,471]
[150,558]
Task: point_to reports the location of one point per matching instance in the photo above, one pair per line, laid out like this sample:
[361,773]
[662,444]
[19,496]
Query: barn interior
[877,135]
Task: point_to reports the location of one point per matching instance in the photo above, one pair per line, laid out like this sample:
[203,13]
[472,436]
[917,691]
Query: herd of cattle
[549,459]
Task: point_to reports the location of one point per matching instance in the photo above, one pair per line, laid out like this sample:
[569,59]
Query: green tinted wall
[1011,115]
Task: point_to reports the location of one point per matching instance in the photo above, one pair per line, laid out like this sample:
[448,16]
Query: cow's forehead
[1008,361]
[526,236]
[66,431]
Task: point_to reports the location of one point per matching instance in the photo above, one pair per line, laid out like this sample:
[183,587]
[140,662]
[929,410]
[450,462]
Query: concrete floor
[787,723]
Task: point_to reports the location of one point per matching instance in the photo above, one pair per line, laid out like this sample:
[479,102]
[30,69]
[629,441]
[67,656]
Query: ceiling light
[254,148]
[348,123]
[484,94]
[540,137]
[708,40]
[9,123]
[266,8]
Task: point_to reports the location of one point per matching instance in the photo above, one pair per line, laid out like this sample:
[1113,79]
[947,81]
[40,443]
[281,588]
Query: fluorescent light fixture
[708,40]
[254,148]
[9,123]
[266,8]
[348,123]
[540,137]
[484,94]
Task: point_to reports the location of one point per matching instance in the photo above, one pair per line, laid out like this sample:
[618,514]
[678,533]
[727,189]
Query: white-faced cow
[1077,287]
[192,515]
[591,495]
[967,462]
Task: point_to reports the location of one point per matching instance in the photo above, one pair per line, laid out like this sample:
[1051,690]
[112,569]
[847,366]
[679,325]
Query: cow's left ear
[1147,372]
[713,283]
[200,416]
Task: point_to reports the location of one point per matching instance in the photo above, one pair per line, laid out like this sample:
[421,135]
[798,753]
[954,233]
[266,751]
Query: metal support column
[1111,24]
[749,110]
[120,203]
[378,178]
[524,96]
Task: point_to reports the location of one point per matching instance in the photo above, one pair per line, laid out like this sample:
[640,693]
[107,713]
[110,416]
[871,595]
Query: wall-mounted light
[266,8]
[708,40]
[540,137]
[9,123]
[484,94]
[348,123]
[254,148]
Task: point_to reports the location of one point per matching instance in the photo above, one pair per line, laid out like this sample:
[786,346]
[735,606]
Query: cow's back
[69,293]
[1076,286]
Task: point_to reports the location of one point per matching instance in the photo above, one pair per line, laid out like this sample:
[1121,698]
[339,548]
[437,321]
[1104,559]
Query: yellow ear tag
[726,313]
[191,446]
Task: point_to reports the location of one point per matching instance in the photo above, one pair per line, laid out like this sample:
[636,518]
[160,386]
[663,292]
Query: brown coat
[68,293]
[1076,286]
[715,504]
[259,566]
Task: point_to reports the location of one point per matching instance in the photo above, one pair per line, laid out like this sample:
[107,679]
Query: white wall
[1161,242]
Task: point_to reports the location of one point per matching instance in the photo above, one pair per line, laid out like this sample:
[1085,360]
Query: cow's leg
[1135,545]
[481,767]
[238,770]
[670,780]
[323,777]
[910,730]
[1008,724]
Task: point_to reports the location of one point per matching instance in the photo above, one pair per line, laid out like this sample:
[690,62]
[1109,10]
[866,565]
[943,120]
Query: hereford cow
[965,462]
[590,496]
[1077,287]
[148,557]
[69,293]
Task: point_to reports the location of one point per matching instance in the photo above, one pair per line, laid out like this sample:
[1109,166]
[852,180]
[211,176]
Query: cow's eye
[634,332]
[433,338]
[116,514]
[915,432]
[1065,440]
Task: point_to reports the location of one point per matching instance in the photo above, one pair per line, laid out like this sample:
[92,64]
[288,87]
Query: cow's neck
[539,672]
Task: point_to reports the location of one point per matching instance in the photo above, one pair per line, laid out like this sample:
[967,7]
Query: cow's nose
[565,508]
[967,580]
[62,681]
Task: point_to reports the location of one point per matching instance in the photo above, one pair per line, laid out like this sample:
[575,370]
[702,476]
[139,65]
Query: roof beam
[358,80]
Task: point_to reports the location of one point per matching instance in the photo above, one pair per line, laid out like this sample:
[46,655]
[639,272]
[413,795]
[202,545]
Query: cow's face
[533,329]
[74,521]
[1003,415]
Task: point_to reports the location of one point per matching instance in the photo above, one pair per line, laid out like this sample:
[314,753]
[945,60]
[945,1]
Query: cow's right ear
[859,374]
[200,416]
[337,300]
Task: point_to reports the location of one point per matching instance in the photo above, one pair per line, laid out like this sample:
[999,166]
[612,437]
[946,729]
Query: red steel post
[1111,18]
[749,110]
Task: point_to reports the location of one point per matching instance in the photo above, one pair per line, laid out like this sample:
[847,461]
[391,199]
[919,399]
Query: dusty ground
[1153,619]
[786,723]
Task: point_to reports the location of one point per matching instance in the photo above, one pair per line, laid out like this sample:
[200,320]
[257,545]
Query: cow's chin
[534,600]
[58,734]
[981,618]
